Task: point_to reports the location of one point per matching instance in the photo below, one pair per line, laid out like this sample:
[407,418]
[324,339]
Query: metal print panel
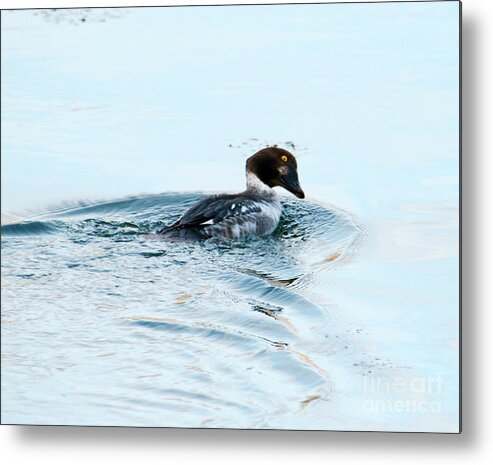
[232,216]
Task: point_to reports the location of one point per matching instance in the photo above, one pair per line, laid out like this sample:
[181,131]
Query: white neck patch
[255,184]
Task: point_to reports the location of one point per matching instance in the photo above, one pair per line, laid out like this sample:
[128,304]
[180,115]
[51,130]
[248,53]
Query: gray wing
[214,209]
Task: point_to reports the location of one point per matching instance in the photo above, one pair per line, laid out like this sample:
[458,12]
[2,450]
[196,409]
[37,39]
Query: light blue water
[346,318]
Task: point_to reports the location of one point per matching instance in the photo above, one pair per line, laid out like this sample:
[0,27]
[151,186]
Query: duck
[255,212]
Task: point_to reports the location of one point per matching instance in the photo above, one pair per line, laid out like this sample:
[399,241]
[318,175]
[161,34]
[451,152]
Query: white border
[24,445]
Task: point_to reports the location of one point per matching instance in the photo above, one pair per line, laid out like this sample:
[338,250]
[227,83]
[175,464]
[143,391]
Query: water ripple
[194,334]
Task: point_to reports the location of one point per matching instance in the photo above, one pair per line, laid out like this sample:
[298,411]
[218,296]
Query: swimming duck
[253,212]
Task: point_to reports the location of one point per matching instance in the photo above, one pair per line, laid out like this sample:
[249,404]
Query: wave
[246,314]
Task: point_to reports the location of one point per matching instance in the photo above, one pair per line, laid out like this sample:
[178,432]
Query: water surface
[345,318]
[124,327]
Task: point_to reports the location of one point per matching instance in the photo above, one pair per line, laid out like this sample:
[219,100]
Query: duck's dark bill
[290,182]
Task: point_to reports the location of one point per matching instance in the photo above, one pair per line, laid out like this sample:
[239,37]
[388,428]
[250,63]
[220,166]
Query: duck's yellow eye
[284,158]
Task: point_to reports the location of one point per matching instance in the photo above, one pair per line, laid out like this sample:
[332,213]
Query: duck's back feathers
[233,216]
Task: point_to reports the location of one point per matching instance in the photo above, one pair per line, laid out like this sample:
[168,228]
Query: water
[129,324]
[345,318]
